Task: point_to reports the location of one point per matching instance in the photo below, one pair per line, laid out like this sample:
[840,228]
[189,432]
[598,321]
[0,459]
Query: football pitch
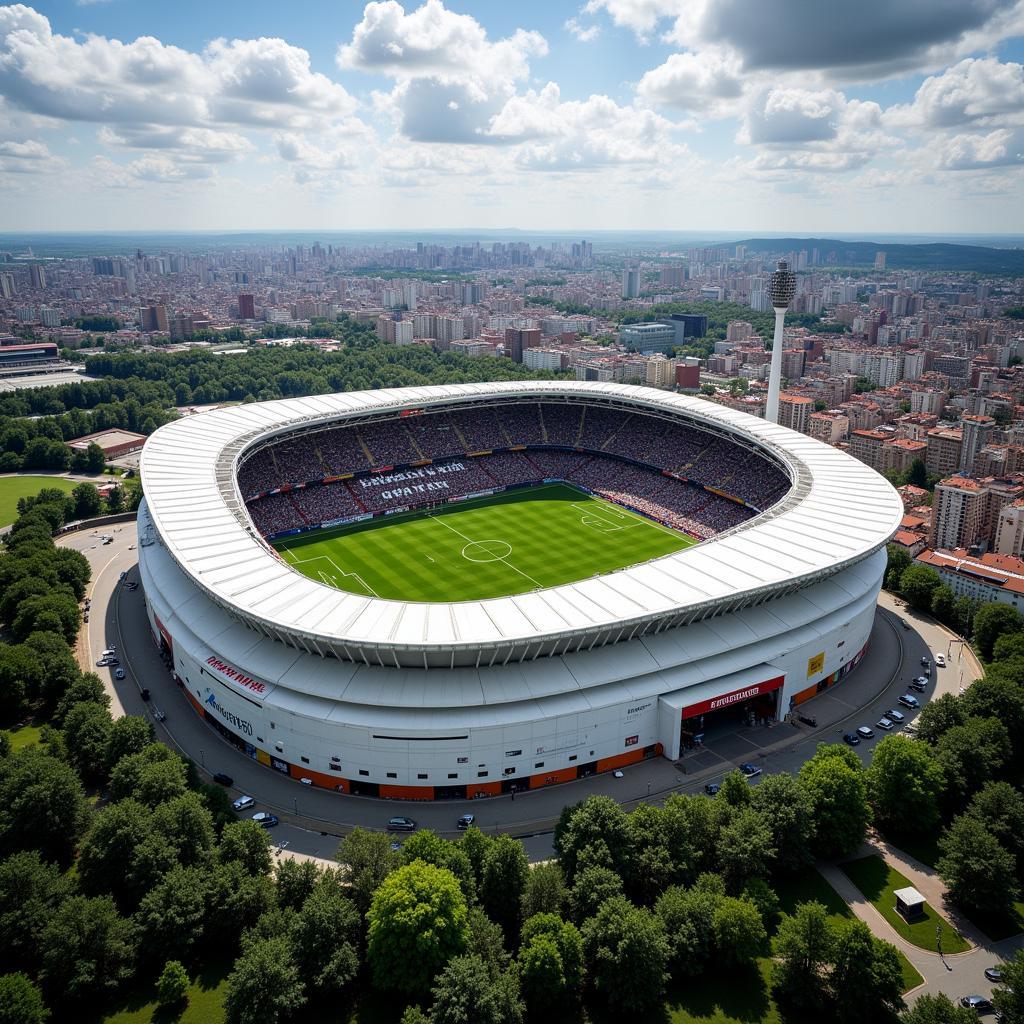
[509,543]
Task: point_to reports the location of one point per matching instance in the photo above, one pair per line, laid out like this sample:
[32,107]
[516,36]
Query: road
[314,819]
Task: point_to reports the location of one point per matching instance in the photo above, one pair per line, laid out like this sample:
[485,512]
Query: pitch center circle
[486,551]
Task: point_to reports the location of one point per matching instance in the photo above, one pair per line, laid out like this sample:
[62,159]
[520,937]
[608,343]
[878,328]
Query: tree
[904,783]
[938,716]
[87,501]
[943,603]
[30,891]
[42,806]
[295,881]
[744,847]
[786,808]
[918,584]
[978,871]
[88,950]
[87,733]
[650,866]
[20,1001]
[593,886]
[567,941]
[804,947]
[542,977]
[246,843]
[838,794]
[1000,808]
[938,1009]
[366,859]
[626,954]
[992,621]
[466,992]
[970,755]
[917,475]
[739,932]
[264,987]
[475,845]
[129,734]
[504,881]
[597,820]
[1008,997]
[996,696]
[326,937]
[172,985]
[544,892]
[115,499]
[430,848]
[95,460]
[1009,645]
[867,978]
[418,907]
[172,914]
[688,916]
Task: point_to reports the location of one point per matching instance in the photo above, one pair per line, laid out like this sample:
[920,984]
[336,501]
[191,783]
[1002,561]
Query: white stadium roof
[837,512]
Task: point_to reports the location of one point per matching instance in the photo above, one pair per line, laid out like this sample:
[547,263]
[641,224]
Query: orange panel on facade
[606,764]
[550,778]
[807,694]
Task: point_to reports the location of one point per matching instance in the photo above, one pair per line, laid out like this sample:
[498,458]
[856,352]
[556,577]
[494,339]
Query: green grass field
[510,543]
[14,487]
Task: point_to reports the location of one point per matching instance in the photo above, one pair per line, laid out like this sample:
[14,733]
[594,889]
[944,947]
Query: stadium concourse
[768,602]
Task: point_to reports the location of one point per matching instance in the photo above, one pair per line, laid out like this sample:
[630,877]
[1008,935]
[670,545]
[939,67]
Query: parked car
[119,673]
[85,617]
[306,781]
[465,821]
[102,662]
[266,819]
[122,576]
[994,974]
[751,771]
[618,774]
[223,780]
[851,738]
[243,803]
[895,716]
[979,1004]
[910,730]
[712,788]
[109,652]
[401,824]
[910,701]
[884,723]
[940,661]
[925,661]
[920,684]
[865,732]
[905,624]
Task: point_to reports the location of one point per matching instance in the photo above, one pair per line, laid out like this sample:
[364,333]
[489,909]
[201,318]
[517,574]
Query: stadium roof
[837,512]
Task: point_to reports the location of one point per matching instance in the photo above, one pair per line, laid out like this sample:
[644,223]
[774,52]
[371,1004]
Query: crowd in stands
[447,438]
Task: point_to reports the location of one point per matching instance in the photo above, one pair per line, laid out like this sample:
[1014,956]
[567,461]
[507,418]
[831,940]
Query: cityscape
[512,513]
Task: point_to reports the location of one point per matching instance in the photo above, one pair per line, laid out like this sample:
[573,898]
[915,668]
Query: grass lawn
[510,543]
[205,1003]
[740,998]
[925,849]
[877,881]
[1001,926]
[14,487]
[26,736]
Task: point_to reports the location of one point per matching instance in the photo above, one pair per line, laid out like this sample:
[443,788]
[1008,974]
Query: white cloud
[584,33]
[1003,147]
[642,16]
[981,91]
[198,144]
[435,41]
[688,81]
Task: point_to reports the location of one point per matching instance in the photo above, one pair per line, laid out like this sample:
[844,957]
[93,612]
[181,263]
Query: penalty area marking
[329,579]
[593,519]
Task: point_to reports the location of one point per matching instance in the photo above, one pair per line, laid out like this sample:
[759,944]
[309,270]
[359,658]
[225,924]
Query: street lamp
[781,288]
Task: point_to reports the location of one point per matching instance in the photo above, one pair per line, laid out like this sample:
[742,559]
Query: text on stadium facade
[736,697]
[236,676]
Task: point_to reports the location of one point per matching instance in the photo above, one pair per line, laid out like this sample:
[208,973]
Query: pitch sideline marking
[440,522]
[341,572]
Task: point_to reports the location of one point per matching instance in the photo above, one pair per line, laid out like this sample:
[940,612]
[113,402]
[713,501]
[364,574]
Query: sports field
[14,487]
[509,543]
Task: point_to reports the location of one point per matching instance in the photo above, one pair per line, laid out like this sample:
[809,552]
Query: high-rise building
[1010,530]
[795,412]
[829,427]
[154,318]
[630,282]
[661,372]
[7,286]
[975,431]
[49,317]
[958,512]
[519,339]
[879,260]
[246,306]
[883,368]
[37,276]
[943,456]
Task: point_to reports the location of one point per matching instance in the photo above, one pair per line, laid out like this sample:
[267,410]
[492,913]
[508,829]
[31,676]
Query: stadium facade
[411,700]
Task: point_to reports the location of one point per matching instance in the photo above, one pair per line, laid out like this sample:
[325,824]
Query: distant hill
[981,259]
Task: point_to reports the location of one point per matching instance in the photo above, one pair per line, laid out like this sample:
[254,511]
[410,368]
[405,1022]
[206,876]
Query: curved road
[313,819]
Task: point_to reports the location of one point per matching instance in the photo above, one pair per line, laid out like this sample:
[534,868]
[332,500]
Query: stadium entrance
[749,706]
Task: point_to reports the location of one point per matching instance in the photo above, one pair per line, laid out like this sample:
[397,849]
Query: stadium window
[272,726]
[259,739]
[481,775]
[363,771]
[421,775]
[453,775]
[572,757]
[392,775]
[304,760]
[539,764]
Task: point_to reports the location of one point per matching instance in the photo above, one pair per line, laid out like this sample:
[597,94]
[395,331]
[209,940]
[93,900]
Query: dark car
[851,738]
[994,974]
[910,701]
[265,818]
[712,788]
[751,771]
[401,825]
[865,732]
[977,1003]
[465,821]
[223,780]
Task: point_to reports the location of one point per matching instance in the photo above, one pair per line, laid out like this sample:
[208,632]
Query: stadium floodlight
[781,288]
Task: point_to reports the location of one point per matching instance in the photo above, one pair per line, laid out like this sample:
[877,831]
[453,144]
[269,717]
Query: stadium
[456,591]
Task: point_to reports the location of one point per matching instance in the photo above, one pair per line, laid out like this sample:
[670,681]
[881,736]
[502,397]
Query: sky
[788,116]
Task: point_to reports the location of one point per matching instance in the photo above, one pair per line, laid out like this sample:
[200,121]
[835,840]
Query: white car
[306,781]
[895,716]
[617,774]
[884,724]
[940,661]
[243,803]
